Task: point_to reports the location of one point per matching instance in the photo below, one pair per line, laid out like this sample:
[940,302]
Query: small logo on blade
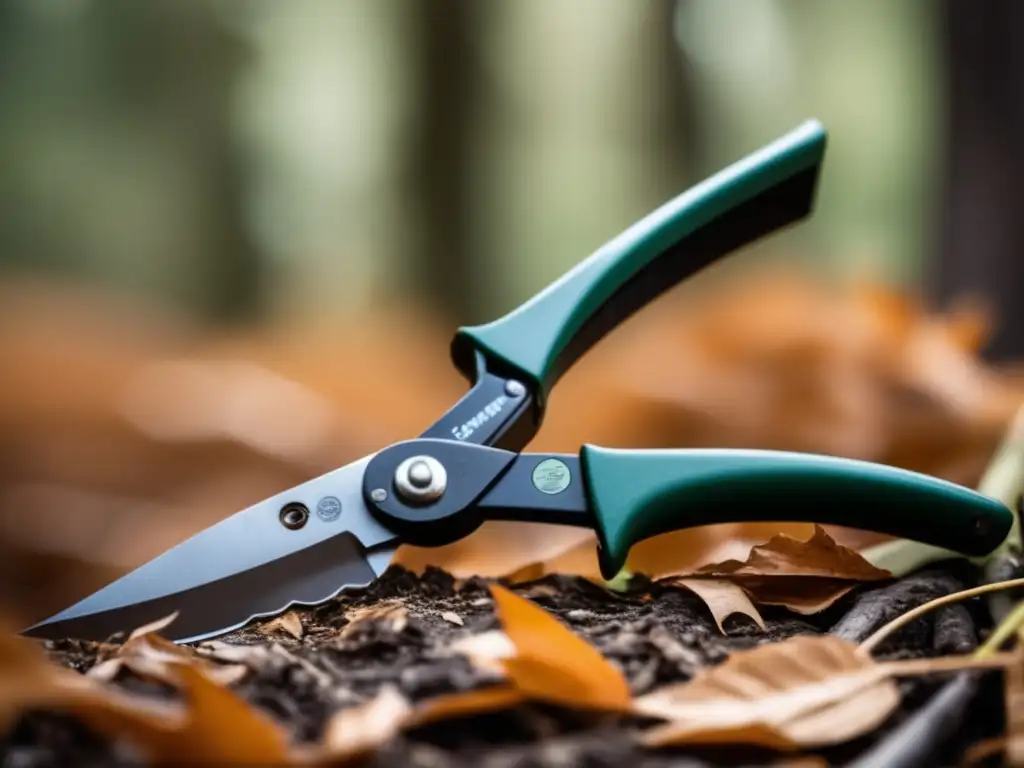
[328,509]
[551,476]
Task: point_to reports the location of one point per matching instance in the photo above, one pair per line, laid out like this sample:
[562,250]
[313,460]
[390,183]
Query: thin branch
[900,621]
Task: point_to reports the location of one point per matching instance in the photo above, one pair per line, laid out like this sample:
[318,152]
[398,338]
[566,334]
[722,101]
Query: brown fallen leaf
[290,623]
[392,611]
[208,724]
[807,691]
[783,555]
[357,731]
[487,650]
[804,576]
[551,663]
[354,733]
[220,728]
[723,599]
[146,653]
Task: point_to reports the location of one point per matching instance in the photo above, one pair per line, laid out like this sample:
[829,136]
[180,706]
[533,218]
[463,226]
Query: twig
[901,621]
[881,605]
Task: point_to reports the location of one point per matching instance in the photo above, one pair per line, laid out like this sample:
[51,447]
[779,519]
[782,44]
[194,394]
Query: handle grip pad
[537,342]
[636,494]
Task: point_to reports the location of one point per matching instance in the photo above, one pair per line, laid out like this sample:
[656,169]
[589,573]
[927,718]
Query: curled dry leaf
[360,730]
[218,727]
[146,654]
[551,663]
[354,733]
[452,618]
[723,599]
[393,611]
[804,576]
[807,691]
[290,623]
[207,724]
[488,650]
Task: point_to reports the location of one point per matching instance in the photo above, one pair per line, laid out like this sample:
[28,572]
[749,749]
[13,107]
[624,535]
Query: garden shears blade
[340,531]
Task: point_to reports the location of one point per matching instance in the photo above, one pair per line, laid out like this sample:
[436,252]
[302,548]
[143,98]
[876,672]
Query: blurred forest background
[236,237]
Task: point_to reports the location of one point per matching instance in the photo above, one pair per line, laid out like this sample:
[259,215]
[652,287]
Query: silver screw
[420,475]
[379,495]
[421,479]
[514,389]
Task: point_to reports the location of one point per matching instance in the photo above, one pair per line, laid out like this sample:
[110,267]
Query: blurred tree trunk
[442,271]
[982,230]
[586,130]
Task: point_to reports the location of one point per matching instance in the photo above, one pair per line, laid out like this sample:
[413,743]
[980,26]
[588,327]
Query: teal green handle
[540,340]
[636,494]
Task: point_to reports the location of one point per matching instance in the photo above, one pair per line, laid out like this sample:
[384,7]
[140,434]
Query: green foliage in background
[244,158]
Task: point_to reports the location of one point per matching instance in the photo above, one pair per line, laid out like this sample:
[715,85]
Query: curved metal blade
[244,567]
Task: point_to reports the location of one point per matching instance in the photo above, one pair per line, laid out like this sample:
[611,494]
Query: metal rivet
[514,389]
[421,479]
[293,516]
[379,495]
[420,475]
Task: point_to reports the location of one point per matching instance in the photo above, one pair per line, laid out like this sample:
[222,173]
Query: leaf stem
[881,634]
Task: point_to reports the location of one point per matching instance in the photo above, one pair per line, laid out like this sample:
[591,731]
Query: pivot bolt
[421,479]
[514,388]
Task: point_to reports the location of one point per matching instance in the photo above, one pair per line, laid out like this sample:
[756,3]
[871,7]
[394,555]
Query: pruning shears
[339,531]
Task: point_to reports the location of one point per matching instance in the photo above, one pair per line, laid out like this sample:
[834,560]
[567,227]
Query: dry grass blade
[551,663]
[808,691]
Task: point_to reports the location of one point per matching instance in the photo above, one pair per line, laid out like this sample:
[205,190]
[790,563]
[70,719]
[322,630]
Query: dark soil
[657,635]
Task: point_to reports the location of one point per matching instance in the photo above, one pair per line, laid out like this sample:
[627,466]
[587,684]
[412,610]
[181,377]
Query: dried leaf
[28,680]
[552,663]
[392,611]
[153,628]
[488,650]
[804,595]
[290,623]
[464,703]
[807,691]
[211,725]
[804,576]
[357,731]
[146,654]
[723,598]
[220,728]
[783,555]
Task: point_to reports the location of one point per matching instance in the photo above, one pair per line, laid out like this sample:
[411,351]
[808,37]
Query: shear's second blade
[247,566]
